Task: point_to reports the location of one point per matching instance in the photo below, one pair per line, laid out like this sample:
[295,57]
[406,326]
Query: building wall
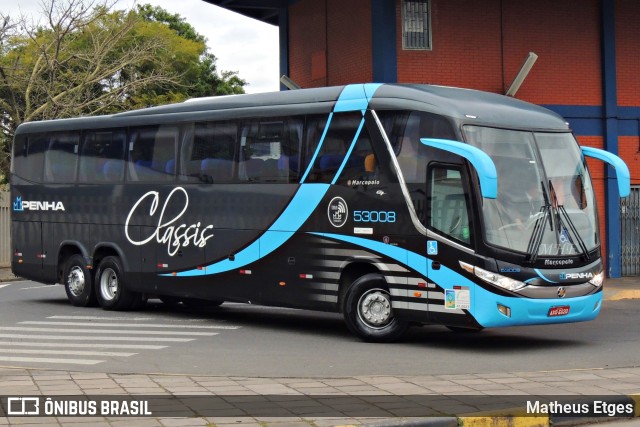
[628,81]
[482,45]
[565,35]
[628,52]
[333,52]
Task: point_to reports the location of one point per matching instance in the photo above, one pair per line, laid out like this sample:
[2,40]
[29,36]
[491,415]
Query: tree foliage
[84,57]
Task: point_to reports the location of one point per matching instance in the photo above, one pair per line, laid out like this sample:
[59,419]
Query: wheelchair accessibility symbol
[432,247]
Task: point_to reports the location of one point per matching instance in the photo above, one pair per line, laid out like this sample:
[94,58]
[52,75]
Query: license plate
[558,311]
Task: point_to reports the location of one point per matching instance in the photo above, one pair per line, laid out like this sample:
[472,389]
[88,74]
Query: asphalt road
[40,329]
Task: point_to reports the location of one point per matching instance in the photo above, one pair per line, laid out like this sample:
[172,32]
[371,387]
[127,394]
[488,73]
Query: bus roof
[466,105]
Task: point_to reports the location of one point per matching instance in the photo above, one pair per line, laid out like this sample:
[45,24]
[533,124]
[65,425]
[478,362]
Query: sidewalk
[292,402]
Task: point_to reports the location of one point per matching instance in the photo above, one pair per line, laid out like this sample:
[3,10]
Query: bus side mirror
[622,171]
[480,160]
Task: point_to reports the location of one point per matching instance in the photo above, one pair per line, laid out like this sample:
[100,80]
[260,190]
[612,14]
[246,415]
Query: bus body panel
[302,242]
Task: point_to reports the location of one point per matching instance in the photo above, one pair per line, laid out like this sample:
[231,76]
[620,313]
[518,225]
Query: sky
[241,44]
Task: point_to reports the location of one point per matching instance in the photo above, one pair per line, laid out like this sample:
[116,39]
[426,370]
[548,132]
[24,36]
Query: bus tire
[110,286]
[368,313]
[78,282]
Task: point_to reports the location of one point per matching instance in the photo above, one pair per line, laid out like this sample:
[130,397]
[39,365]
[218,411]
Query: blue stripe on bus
[355,97]
[546,279]
[352,98]
[484,304]
[346,157]
[300,208]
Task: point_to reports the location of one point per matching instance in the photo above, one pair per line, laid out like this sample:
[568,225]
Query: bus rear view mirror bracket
[480,160]
[622,171]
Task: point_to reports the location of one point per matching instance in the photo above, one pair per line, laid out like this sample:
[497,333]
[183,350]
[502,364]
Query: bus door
[448,212]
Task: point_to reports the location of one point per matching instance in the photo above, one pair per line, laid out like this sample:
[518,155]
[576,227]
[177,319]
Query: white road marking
[67,352]
[5,285]
[50,360]
[130,325]
[94,338]
[132,319]
[103,331]
[4,344]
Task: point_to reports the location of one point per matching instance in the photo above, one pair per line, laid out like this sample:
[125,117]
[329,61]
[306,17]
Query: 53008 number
[374,216]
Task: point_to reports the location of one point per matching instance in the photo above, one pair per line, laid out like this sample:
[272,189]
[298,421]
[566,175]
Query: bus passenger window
[269,150]
[338,139]
[152,153]
[102,156]
[209,156]
[448,203]
[61,158]
[28,157]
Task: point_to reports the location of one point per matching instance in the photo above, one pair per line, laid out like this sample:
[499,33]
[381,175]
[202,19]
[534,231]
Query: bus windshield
[545,205]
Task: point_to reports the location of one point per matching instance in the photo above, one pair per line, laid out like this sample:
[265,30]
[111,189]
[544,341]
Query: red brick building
[588,67]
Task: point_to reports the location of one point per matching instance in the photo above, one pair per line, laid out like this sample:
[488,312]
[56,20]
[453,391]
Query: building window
[416,24]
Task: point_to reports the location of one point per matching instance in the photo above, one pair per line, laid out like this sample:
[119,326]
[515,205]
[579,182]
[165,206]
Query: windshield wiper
[562,213]
[538,228]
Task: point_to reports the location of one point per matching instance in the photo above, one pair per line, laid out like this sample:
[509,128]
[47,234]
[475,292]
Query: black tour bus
[392,204]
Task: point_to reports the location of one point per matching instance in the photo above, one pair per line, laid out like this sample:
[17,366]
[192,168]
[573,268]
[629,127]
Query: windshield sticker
[167,231]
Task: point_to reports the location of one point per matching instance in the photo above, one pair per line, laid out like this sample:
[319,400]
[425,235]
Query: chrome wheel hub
[109,284]
[75,281]
[374,308]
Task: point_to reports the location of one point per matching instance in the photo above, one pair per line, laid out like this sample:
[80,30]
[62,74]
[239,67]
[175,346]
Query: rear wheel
[368,311]
[110,286]
[78,282]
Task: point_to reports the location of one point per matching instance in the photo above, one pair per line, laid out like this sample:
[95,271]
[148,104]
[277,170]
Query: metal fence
[630,235]
[5,230]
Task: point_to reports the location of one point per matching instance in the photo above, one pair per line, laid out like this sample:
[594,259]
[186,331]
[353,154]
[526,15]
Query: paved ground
[292,402]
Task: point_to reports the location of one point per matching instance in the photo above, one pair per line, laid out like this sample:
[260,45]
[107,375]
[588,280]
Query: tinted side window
[152,154]
[28,156]
[270,150]
[61,158]
[102,156]
[405,129]
[338,139]
[210,155]
[448,203]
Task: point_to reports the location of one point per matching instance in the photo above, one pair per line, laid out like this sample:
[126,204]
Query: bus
[394,205]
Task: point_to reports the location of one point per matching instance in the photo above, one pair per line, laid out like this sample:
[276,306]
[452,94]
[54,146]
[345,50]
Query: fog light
[504,310]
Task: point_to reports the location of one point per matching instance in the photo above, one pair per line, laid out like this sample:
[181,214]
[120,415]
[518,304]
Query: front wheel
[368,311]
[110,287]
[78,282]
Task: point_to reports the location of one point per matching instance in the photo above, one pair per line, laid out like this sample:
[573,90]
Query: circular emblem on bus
[338,212]
[561,292]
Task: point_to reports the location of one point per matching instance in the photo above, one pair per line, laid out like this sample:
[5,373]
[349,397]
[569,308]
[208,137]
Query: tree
[87,58]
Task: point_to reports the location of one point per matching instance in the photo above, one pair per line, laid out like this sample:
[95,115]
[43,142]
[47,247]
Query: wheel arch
[352,270]
[105,249]
[66,250]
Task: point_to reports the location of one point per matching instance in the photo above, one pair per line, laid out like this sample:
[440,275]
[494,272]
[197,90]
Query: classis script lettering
[167,231]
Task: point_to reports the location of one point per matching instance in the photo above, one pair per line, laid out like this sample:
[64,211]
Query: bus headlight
[597,279]
[494,278]
[498,279]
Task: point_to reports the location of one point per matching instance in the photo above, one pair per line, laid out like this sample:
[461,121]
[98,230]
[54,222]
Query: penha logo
[20,205]
[17,205]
